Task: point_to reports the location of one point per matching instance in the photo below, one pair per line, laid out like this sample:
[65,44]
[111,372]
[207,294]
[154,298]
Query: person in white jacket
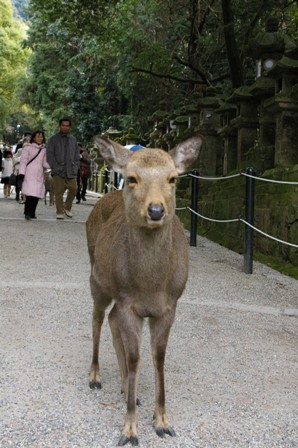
[7,169]
[16,165]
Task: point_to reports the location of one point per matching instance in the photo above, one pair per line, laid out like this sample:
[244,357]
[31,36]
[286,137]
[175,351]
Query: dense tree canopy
[113,63]
[12,61]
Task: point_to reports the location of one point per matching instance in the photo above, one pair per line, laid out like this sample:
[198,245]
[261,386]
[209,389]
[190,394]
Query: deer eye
[131,180]
[172,180]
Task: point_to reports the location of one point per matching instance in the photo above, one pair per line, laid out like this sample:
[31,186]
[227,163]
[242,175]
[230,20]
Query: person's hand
[21,177]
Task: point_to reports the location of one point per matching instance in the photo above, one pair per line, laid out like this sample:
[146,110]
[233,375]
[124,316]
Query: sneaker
[27,217]
[59,216]
[68,213]
[84,199]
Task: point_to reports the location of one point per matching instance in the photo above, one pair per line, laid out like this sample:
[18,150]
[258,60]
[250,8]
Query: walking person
[1,156]
[7,170]
[32,163]
[16,165]
[83,174]
[64,160]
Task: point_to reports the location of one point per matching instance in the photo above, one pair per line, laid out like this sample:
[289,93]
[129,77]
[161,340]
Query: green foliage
[12,61]
[113,63]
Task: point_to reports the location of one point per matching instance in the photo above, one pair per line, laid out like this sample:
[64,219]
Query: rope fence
[248,222]
[239,220]
[242,173]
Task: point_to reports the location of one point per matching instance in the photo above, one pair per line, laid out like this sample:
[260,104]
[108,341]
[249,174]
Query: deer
[138,252]
[49,187]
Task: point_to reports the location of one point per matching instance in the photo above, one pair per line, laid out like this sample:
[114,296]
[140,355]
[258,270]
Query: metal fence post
[194,207]
[96,182]
[106,189]
[249,212]
[116,180]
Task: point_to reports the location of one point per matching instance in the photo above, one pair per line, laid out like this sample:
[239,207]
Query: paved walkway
[232,360]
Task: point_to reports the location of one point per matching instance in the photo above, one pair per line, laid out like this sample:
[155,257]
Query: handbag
[85,171]
[12,179]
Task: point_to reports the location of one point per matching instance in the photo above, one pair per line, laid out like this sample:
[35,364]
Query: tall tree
[12,61]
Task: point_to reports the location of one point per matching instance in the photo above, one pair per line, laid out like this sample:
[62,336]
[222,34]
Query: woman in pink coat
[32,164]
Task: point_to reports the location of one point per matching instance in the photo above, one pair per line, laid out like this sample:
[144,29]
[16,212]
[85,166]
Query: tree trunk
[231,44]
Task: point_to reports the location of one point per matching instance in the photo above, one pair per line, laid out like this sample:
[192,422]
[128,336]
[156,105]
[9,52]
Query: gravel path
[232,359]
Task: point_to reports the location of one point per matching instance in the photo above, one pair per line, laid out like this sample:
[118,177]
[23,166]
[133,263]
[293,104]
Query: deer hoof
[170,431]
[95,385]
[138,403]
[124,440]
[162,431]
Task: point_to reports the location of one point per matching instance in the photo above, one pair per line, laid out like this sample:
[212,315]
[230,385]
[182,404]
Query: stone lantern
[267,47]
[130,137]
[228,134]
[113,133]
[284,105]
[254,123]
[159,117]
[211,160]
[184,121]
[245,123]
[181,122]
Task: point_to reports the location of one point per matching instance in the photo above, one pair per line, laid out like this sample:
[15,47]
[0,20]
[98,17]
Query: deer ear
[114,154]
[185,153]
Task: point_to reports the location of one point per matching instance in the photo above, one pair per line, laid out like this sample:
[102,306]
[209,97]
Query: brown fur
[139,261]
[49,188]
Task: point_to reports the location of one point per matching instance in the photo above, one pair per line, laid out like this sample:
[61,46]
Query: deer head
[150,176]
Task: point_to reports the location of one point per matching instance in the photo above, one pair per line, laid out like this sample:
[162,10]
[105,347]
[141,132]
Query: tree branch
[225,75]
[205,15]
[255,20]
[172,78]
[290,4]
[190,65]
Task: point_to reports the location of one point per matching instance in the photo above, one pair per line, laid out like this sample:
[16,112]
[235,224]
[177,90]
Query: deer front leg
[127,341]
[94,377]
[129,433]
[160,329]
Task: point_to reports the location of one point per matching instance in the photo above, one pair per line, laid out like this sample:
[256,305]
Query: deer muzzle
[156,212]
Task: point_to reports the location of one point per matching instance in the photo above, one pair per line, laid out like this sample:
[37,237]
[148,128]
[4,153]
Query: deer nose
[156,211]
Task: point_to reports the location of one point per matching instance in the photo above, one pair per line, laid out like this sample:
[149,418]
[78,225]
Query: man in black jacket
[64,159]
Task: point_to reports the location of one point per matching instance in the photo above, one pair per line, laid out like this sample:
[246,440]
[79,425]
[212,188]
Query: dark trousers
[17,188]
[30,206]
[82,187]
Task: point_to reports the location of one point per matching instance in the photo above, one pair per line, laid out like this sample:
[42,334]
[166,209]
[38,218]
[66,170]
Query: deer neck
[150,251]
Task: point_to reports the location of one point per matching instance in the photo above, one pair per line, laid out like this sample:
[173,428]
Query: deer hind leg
[126,328]
[99,306]
[52,199]
[160,329]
